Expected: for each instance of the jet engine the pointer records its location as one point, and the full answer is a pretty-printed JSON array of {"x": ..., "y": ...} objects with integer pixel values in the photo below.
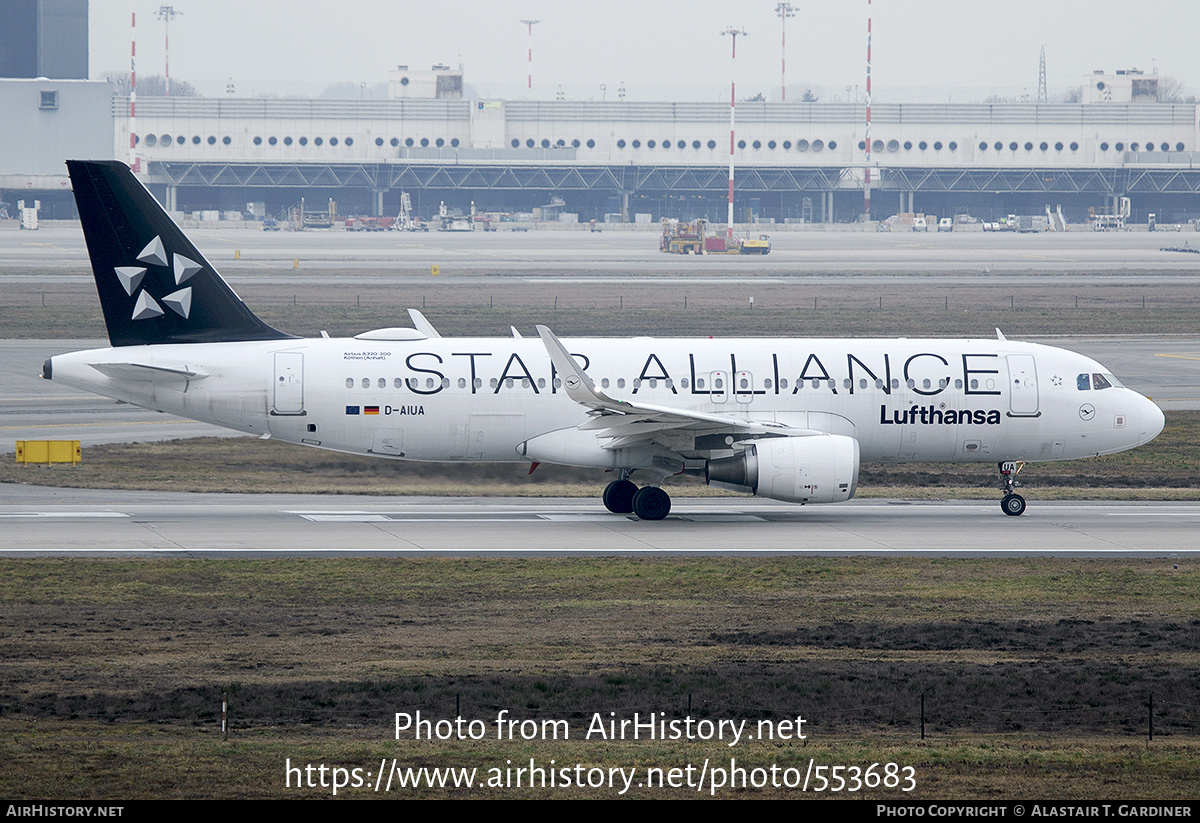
[{"x": 818, "y": 469}]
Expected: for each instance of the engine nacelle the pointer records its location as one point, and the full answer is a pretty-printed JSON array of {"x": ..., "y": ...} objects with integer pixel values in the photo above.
[{"x": 818, "y": 469}]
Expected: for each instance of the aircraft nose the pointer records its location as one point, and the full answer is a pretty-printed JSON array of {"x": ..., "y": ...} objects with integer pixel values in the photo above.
[{"x": 1152, "y": 421}]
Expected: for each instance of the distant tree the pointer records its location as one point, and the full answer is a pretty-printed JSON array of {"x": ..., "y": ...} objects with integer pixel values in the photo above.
[
  {"x": 809, "y": 96},
  {"x": 758, "y": 98},
  {"x": 1170, "y": 89},
  {"x": 1073, "y": 95},
  {"x": 151, "y": 85},
  {"x": 349, "y": 90}
]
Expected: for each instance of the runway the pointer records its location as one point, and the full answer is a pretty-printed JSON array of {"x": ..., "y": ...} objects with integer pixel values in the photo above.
[{"x": 58, "y": 522}]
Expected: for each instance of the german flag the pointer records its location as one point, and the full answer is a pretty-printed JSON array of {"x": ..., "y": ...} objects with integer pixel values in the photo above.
[{"x": 370, "y": 410}]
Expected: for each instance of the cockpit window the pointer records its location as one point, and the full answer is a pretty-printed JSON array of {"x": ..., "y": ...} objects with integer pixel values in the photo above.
[
  {"x": 1099, "y": 382},
  {"x": 1083, "y": 382}
]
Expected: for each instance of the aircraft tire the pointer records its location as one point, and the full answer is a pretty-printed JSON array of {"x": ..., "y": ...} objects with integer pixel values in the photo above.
[
  {"x": 651, "y": 503},
  {"x": 1013, "y": 505},
  {"x": 618, "y": 496}
]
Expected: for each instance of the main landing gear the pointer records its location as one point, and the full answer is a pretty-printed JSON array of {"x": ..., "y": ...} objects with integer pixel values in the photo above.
[
  {"x": 648, "y": 503},
  {"x": 1012, "y": 503}
]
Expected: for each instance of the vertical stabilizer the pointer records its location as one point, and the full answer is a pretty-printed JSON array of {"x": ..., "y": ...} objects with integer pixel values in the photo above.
[{"x": 154, "y": 285}]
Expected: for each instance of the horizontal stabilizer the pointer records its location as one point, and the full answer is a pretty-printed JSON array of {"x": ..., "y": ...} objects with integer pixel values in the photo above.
[{"x": 144, "y": 373}]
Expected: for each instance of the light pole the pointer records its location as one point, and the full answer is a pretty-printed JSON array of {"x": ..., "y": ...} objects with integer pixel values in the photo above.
[
  {"x": 867, "y": 131},
  {"x": 530, "y": 24},
  {"x": 733, "y": 34},
  {"x": 133, "y": 158},
  {"x": 166, "y": 14},
  {"x": 784, "y": 10}
]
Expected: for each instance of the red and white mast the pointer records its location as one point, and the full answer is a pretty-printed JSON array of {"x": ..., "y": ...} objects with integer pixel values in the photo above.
[
  {"x": 733, "y": 33},
  {"x": 133, "y": 159},
  {"x": 784, "y": 10},
  {"x": 166, "y": 13},
  {"x": 867, "y": 135},
  {"x": 530, "y": 24}
]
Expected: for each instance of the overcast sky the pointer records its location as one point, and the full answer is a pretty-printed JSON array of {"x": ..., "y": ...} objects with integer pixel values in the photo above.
[{"x": 922, "y": 50}]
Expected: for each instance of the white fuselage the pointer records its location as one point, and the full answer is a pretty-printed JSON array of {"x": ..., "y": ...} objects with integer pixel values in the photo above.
[{"x": 479, "y": 399}]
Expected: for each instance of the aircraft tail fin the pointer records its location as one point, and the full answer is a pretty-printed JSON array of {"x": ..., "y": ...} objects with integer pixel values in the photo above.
[{"x": 154, "y": 285}]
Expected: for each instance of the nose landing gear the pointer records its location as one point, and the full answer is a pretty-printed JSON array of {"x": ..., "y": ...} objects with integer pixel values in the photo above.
[{"x": 1012, "y": 503}]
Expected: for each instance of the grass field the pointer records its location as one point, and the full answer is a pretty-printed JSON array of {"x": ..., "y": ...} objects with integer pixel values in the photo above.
[{"x": 1035, "y": 673}]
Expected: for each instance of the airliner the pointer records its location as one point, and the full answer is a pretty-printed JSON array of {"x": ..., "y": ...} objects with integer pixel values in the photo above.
[{"x": 786, "y": 419}]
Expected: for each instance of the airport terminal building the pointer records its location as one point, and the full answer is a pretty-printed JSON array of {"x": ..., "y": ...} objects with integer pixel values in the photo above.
[{"x": 795, "y": 162}]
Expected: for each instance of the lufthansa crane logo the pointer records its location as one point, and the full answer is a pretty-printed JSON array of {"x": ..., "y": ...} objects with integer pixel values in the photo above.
[
  {"x": 1087, "y": 411},
  {"x": 572, "y": 382}
]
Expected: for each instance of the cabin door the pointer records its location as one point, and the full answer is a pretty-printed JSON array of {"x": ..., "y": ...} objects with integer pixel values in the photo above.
[
  {"x": 289, "y": 383},
  {"x": 1022, "y": 386}
]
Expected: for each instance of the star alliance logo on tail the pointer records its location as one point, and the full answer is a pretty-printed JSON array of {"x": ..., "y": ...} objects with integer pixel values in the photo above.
[{"x": 145, "y": 307}]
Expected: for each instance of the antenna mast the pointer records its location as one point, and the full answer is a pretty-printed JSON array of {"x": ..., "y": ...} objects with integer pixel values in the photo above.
[{"x": 1042, "y": 96}]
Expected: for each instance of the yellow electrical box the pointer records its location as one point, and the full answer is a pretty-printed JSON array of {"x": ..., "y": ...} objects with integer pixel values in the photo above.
[{"x": 49, "y": 452}]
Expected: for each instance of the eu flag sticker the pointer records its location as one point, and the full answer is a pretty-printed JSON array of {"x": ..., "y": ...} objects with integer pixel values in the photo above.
[{"x": 352, "y": 410}]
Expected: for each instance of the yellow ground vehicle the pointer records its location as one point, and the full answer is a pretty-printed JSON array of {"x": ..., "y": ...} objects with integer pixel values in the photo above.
[{"x": 692, "y": 238}]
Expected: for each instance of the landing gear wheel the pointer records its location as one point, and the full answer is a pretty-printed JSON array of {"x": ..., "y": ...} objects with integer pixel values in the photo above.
[
  {"x": 651, "y": 503},
  {"x": 1013, "y": 505},
  {"x": 618, "y": 496}
]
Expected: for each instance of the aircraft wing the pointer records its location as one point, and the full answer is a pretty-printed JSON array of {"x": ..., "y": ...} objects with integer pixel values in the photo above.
[{"x": 629, "y": 423}]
